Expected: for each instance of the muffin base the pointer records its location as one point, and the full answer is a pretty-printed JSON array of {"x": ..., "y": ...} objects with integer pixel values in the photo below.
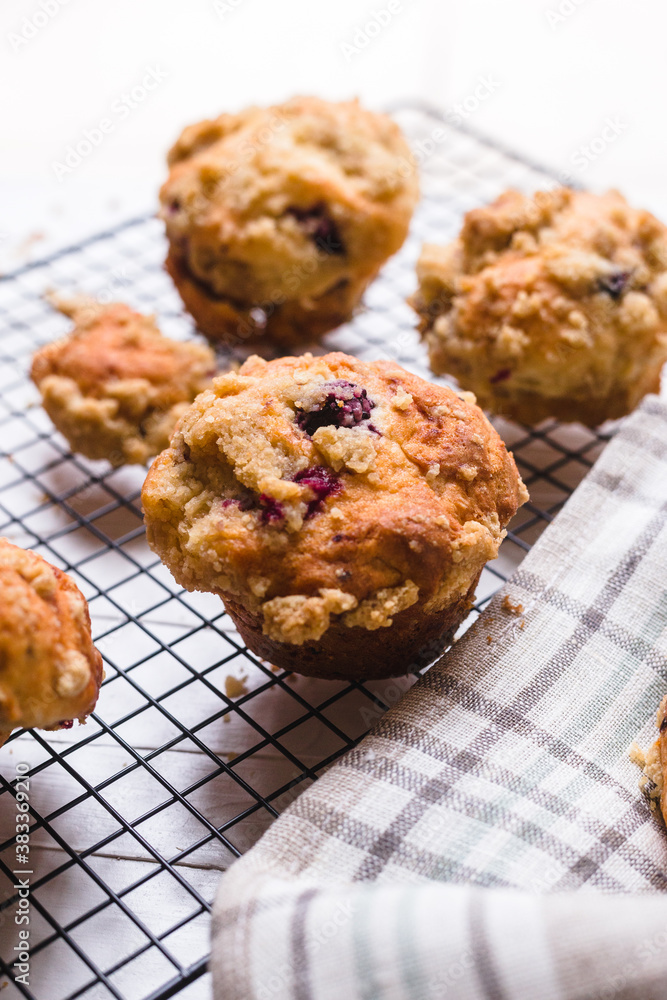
[
  {"x": 531, "y": 409},
  {"x": 414, "y": 640},
  {"x": 292, "y": 323}
]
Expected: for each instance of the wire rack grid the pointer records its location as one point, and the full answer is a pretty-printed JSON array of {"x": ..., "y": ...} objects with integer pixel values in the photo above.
[{"x": 196, "y": 745}]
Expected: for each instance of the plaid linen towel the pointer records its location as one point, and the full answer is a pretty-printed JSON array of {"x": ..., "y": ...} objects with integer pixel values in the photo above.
[{"x": 488, "y": 840}]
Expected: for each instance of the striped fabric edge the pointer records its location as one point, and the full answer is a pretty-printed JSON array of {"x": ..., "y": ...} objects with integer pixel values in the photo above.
[{"x": 285, "y": 927}]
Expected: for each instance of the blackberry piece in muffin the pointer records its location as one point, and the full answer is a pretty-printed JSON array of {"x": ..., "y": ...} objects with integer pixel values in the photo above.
[
  {"x": 115, "y": 386},
  {"x": 50, "y": 672},
  {"x": 551, "y": 306},
  {"x": 342, "y": 510},
  {"x": 278, "y": 218}
]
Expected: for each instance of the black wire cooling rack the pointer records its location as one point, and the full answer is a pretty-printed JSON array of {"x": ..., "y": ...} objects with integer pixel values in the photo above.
[{"x": 195, "y": 746}]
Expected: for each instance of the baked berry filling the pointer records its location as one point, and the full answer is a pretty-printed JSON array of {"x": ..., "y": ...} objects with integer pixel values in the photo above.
[
  {"x": 614, "y": 284},
  {"x": 322, "y": 481},
  {"x": 345, "y": 405},
  {"x": 66, "y": 723},
  {"x": 320, "y": 227},
  {"x": 500, "y": 376},
  {"x": 272, "y": 510},
  {"x": 243, "y": 503}
]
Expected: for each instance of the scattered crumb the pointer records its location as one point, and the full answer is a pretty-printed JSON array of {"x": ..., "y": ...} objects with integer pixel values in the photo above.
[
  {"x": 401, "y": 400},
  {"x": 522, "y": 623},
  {"x": 275, "y": 669},
  {"x": 226, "y": 718},
  {"x": 231, "y": 755},
  {"x": 512, "y": 609},
  {"x": 636, "y": 754},
  {"x": 24, "y": 248},
  {"x": 292, "y": 678},
  {"x": 235, "y": 686},
  {"x": 489, "y": 639}
]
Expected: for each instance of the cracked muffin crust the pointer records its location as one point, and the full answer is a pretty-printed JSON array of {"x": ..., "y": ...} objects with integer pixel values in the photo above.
[
  {"x": 278, "y": 218},
  {"x": 115, "y": 386},
  {"x": 551, "y": 306},
  {"x": 342, "y": 510},
  {"x": 50, "y": 672}
]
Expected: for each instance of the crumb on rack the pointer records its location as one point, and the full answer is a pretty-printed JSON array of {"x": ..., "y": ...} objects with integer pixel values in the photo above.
[
  {"x": 489, "y": 639},
  {"x": 512, "y": 609},
  {"x": 235, "y": 687}
]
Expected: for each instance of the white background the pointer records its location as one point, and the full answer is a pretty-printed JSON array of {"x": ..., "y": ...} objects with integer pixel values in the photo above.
[{"x": 556, "y": 78}]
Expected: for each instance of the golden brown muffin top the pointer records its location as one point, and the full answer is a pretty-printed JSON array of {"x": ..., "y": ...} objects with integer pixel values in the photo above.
[
  {"x": 115, "y": 386},
  {"x": 334, "y": 477},
  {"x": 112, "y": 344},
  {"x": 281, "y": 202},
  {"x": 50, "y": 672}
]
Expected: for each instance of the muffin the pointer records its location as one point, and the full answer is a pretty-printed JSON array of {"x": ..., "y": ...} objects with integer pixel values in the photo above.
[
  {"x": 342, "y": 510},
  {"x": 50, "y": 672},
  {"x": 654, "y": 763},
  {"x": 115, "y": 386},
  {"x": 278, "y": 218},
  {"x": 552, "y": 306}
]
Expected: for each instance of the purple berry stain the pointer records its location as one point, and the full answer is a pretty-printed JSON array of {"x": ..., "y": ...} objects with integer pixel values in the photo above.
[
  {"x": 322, "y": 481},
  {"x": 500, "y": 376},
  {"x": 344, "y": 405},
  {"x": 243, "y": 503},
  {"x": 614, "y": 284},
  {"x": 320, "y": 227},
  {"x": 272, "y": 510},
  {"x": 66, "y": 723}
]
